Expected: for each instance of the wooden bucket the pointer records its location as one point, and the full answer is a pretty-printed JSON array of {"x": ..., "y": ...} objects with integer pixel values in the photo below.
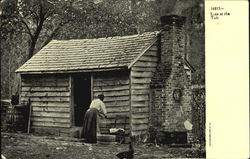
[{"x": 106, "y": 139}]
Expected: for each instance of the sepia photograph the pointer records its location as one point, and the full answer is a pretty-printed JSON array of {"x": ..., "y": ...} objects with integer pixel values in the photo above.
[{"x": 102, "y": 79}]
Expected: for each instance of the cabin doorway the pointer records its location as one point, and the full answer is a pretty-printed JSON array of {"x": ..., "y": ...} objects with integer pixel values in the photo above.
[{"x": 82, "y": 97}]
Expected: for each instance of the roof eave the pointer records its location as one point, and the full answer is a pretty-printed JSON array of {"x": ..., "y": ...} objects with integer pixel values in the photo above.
[
  {"x": 73, "y": 71},
  {"x": 143, "y": 52}
]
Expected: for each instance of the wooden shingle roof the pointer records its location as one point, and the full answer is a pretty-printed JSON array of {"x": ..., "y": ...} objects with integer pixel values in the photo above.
[{"x": 89, "y": 54}]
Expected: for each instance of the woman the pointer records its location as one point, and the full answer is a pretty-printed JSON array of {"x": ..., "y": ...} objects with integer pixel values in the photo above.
[{"x": 91, "y": 119}]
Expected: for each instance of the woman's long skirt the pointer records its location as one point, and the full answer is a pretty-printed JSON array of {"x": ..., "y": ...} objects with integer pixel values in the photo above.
[{"x": 90, "y": 125}]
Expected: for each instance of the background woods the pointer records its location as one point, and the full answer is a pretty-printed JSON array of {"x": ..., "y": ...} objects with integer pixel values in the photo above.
[{"x": 28, "y": 25}]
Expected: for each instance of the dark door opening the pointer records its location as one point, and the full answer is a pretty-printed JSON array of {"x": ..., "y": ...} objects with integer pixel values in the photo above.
[{"x": 82, "y": 96}]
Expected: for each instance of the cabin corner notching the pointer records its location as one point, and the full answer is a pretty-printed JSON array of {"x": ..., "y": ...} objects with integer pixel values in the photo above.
[{"x": 137, "y": 75}]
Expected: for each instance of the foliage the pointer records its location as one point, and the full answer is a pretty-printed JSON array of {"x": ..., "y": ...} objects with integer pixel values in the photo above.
[
  {"x": 8, "y": 20},
  {"x": 43, "y": 18},
  {"x": 100, "y": 20}
]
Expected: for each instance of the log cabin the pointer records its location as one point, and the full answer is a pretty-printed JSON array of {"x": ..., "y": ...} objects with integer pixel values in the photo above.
[{"x": 144, "y": 77}]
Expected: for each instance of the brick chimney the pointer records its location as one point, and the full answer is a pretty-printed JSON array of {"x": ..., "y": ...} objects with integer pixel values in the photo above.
[
  {"x": 171, "y": 78},
  {"x": 172, "y": 38}
]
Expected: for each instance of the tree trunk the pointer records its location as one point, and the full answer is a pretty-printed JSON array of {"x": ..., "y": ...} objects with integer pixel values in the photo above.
[
  {"x": 51, "y": 35},
  {"x": 31, "y": 48},
  {"x": 35, "y": 38},
  {"x": 133, "y": 3},
  {"x": 10, "y": 59}
]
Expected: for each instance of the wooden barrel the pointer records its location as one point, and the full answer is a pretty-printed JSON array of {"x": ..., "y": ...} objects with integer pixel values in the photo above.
[
  {"x": 11, "y": 115},
  {"x": 15, "y": 118},
  {"x": 4, "y": 107}
]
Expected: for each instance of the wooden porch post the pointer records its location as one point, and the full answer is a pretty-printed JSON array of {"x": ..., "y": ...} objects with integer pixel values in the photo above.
[
  {"x": 130, "y": 103},
  {"x": 71, "y": 89},
  {"x": 92, "y": 86}
]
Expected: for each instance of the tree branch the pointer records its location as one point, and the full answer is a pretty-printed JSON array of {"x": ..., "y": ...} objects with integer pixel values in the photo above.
[
  {"x": 48, "y": 15},
  {"x": 52, "y": 34},
  {"x": 41, "y": 14},
  {"x": 27, "y": 28},
  {"x": 35, "y": 16}
]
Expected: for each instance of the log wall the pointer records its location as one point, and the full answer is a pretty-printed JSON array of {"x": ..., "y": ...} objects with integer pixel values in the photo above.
[
  {"x": 141, "y": 74},
  {"x": 116, "y": 89},
  {"x": 50, "y": 100}
]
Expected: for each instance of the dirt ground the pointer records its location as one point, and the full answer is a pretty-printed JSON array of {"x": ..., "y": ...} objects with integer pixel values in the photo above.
[{"x": 26, "y": 146}]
